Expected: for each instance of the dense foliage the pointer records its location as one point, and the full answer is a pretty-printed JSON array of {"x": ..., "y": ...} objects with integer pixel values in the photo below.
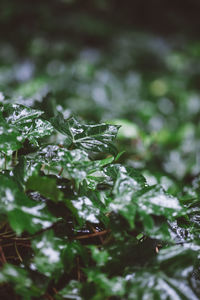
[
  {"x": 77, "y": 224},
  {"x": 99, "y": 153}
]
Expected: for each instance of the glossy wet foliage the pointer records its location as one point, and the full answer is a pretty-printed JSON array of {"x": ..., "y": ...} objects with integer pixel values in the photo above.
[
  {"x": 76, "y": 224},
  {"x": 99, "y": 159}
]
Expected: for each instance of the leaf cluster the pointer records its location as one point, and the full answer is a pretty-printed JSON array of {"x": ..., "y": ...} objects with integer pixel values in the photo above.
[{"x": 77, "y": 224}]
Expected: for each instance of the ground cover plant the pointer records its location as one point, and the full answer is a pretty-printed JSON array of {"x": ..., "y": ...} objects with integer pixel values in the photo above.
[
  {"x": 99, "y": 150},
  {"x": 76, "y": 224}
]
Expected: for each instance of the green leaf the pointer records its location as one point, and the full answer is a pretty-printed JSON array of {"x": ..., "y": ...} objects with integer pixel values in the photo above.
[
  {"x": 117, "y": 172},
  {"x": 86, "y": 210},
  {"x": 155, "y": 201},
  {"x": 106, "y": 287},
  {"x": 95, "y": 138},
  {"x": 71, "y": 291},
  {"x": 72, "y": 164},
  {"x": 154, "y": 284},
  {"x": 35, "y": 130},
  {"x": 70, "y": 253},
  {"x": 54, "y": 155},
  {"x": 20, "y": 279},
  {"x": 47, "y": 257},
  {"x": 87, "y": 170},
  {"x": 53, "y": 158},
  {"x": 22, "y": 212},
  {"x": 26, "y": 121},
  {"x": 132, "y": 195},
  {"x": 178, "y": 260},
  {"x": 126, "y": 182},
  {"x": 16, "y": 114},
  {"x": 170, "y": 279},
  {"x": 47, "y": 187},
  {"x": 10, "y": 137},
  {"x": 100, "y": 256}
]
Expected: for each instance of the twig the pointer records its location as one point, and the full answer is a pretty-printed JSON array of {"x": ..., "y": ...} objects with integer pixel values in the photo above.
[
  {"x": 3, "y": 258},
  {"x": 35, "y": 234},
  {"x": 54, "y": 290},
  {"x": 10, "y": 236},
  {"x": 4, "y": 233},
  {"x": 18, "y": 244},
  {"x": 12, "y": 257},
  {"x": 61, "y": 170},
  {"x": 18, "y": 254},
  {"x": 91, "y": 235}
]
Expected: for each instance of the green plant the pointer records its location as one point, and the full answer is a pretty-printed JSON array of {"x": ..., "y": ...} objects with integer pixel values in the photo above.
[{"x": 76, "y": 224}]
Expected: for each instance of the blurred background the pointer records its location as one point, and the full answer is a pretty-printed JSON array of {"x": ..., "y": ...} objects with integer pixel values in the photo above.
[{"x": 135, "y": 63}]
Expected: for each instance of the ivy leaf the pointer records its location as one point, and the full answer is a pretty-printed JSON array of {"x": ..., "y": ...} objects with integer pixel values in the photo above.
[
  {"x": 99, "y": 256},
  {"x": 72, "y": 164},
  {"x": 47, "y": 258},
  {"x": 126, "y": 182},
  {"x": 35, "y": 130},
  {"x": 131, "y": 195},
  {"x": 21, "y": 281},
  {"x": 10, "y": 137},
  {"x": 178, "y": 260},
  {"x": 26, "y": 121},
  {"x": 23, "y": 213},
  {"x": 155, "y": 284},
  {"x": 53, "y": 154},
  {"x": 70, "y": 252},
  {"x": 86, "y": 210},
  {"x": 47, "y": 187},
  {"x": 87, "y": 170},
  {"x": 106, "y": 287},
  {"x": 155, "y": 201},
  {"x": 71, "y": 291},
  {"x": 117, "y": 172},
  {"x": 171, "y": 278},
  {"x": 95, "y": 138},
  {"x": 16, "y": 114}
]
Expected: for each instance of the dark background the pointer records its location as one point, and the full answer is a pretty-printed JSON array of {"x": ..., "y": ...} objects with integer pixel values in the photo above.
[{"x": 93, "y": 22}]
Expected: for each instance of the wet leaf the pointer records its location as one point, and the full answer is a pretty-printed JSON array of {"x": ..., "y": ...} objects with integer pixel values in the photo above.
[
  {"x": 95, "y": 138},
  {"x": 35, "y": 130},
  {"x": 23, "y": 214},
  {"x": 10, "y": 138},
  {"x": 26, "y": 121},
  {"x": 154, "y": 200},
  {"x": 16, "y": 114},
  {"x": 47, "y": 258},
  {"x": 71, "y": 291},
  {"x": 86, "y": 210},
  {"x": 155, "y": 284},
  {"x": 94, "y": 229},
  {"x": 19, "y": 278},
  {"x": 47, "y": 187}
]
